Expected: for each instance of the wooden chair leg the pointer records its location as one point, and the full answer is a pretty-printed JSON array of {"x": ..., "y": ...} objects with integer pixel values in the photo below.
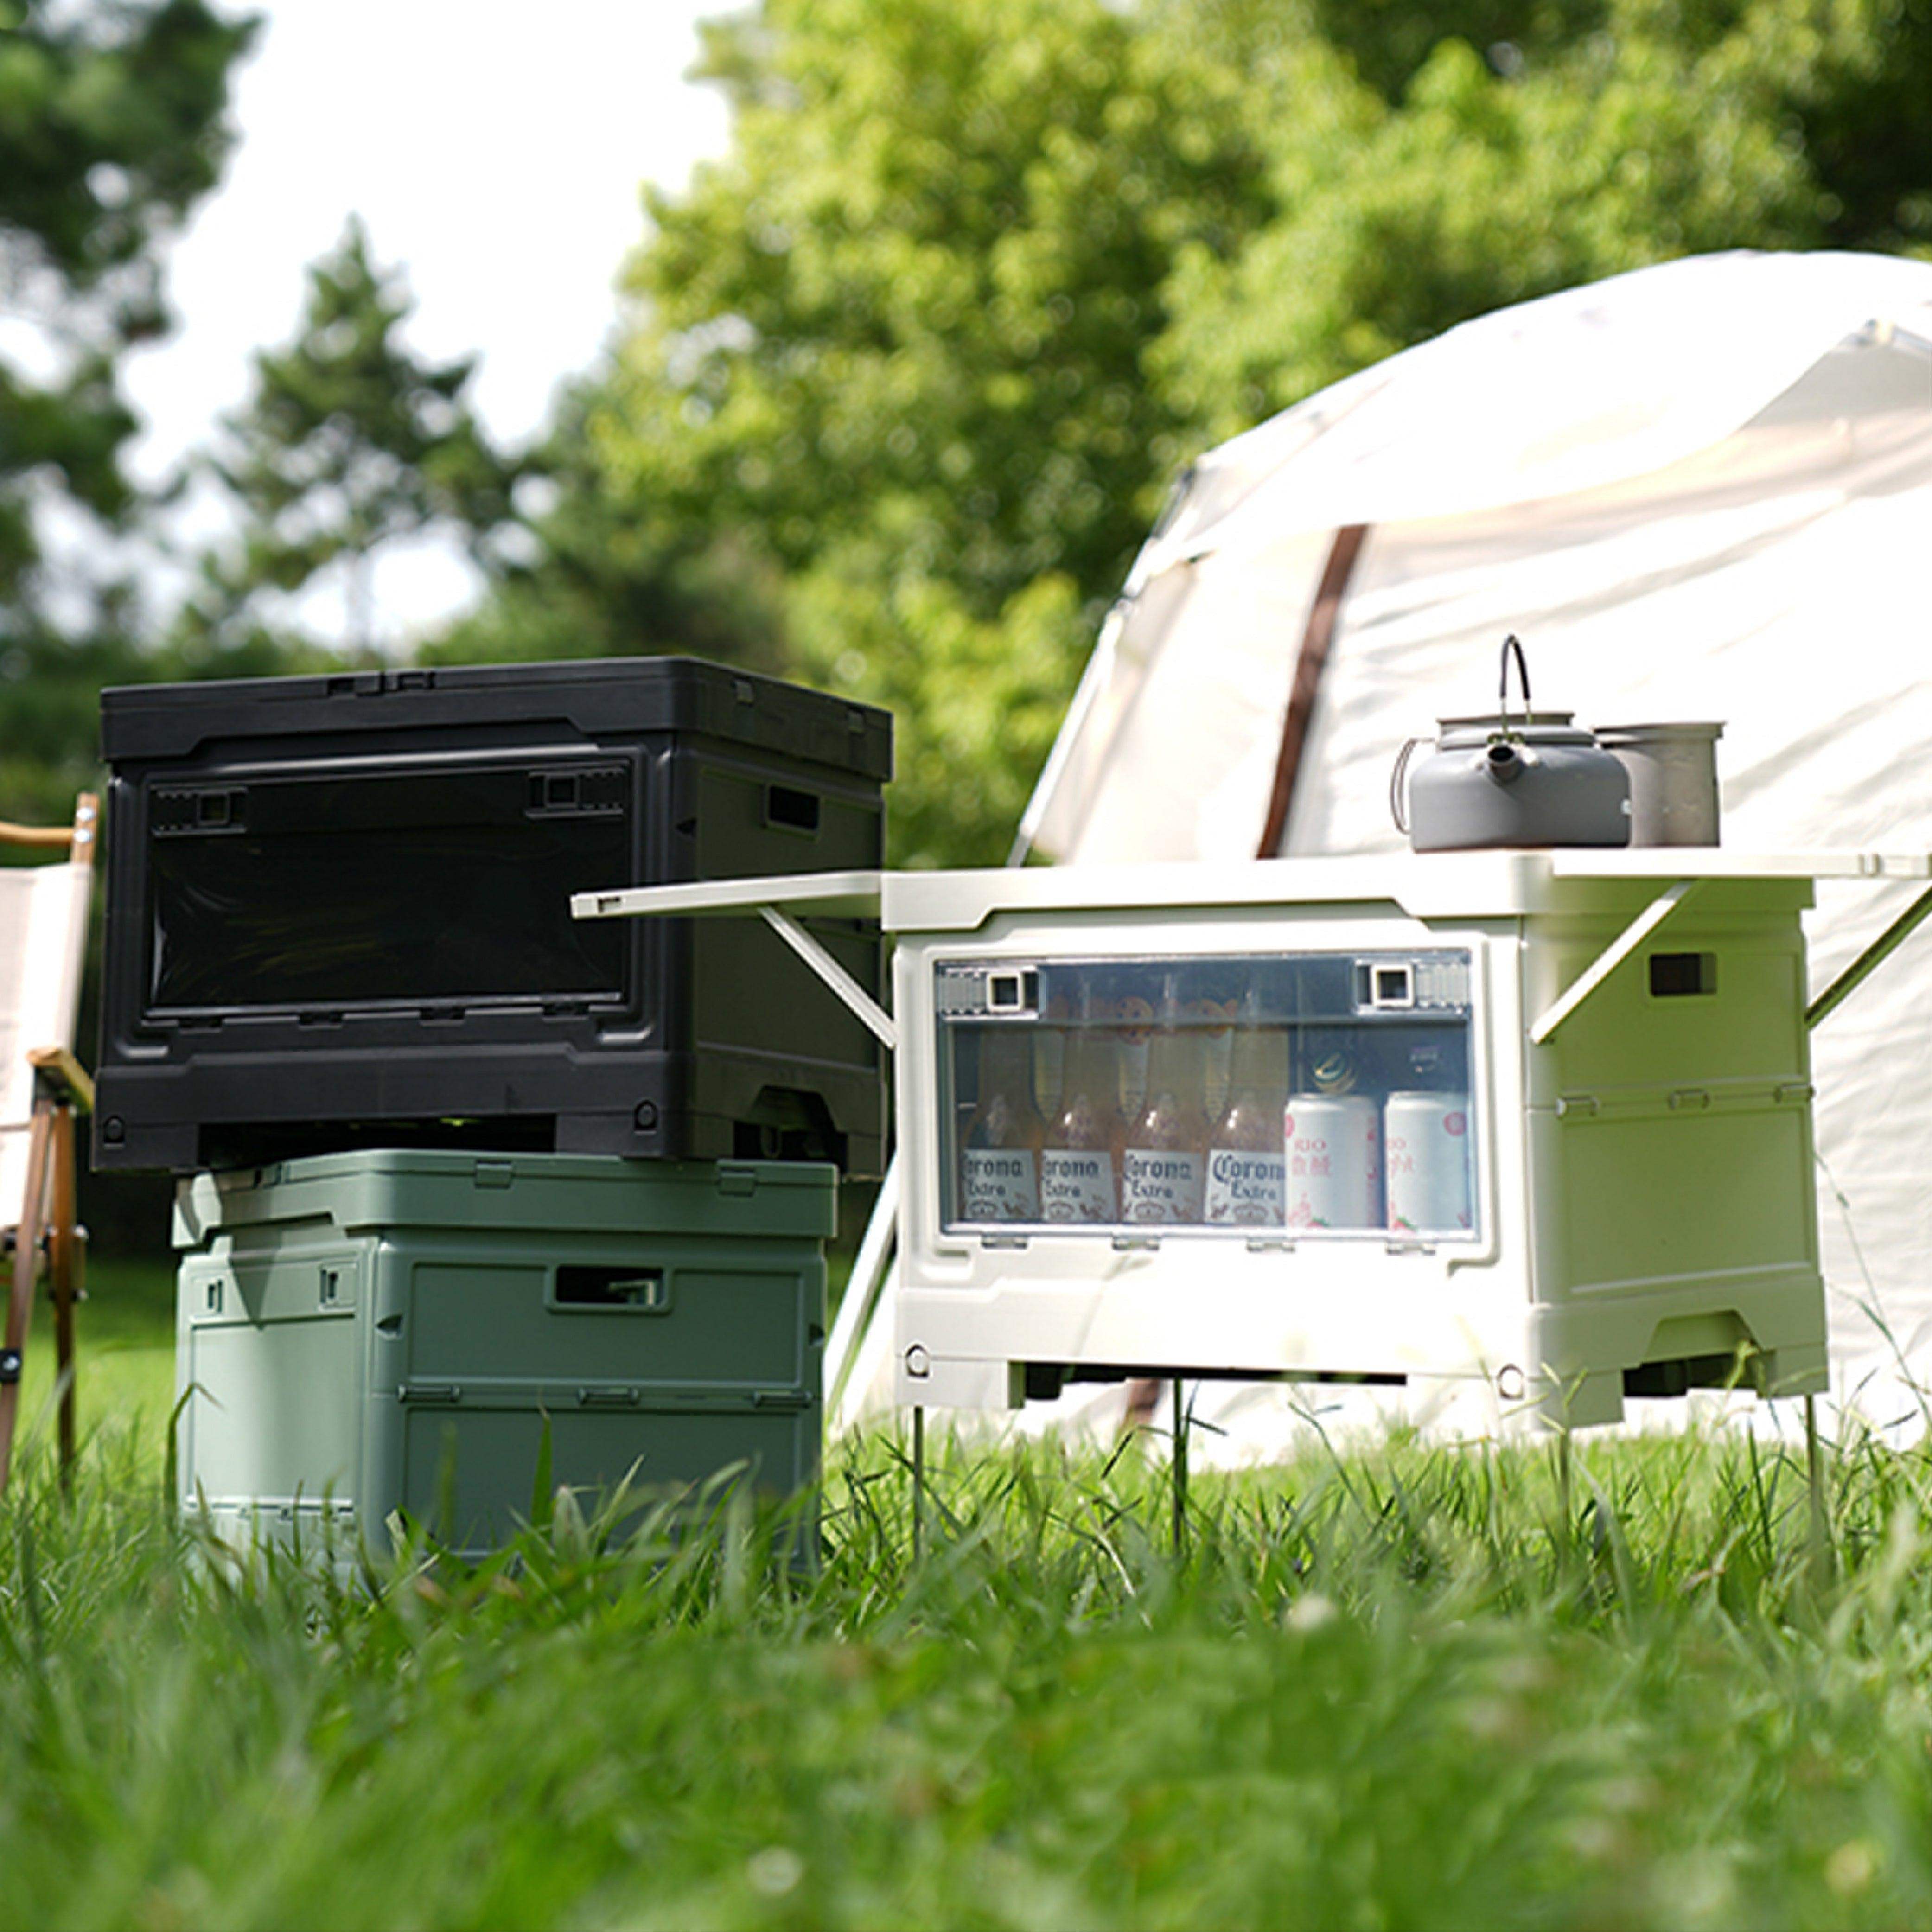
[
  {"x": 26, "y": 1267},
  {"x": 64, "y": 1274}
]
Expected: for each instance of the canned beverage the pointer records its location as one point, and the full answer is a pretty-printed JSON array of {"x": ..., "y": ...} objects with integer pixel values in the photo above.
[
  {"x": 1332, "y": 1147},
  {"x": 1426, "y": 1141}
]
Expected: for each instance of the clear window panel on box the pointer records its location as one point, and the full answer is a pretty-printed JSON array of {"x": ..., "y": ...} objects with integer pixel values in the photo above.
[{"x": 1312, "y": 1093}]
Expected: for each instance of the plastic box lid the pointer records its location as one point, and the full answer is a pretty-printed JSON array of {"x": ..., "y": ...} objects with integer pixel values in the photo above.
[
  {"x": 378, "y": 1188},
  {"x": 600, "y": 697}
]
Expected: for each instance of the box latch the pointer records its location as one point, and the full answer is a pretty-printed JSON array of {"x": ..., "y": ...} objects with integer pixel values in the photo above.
[
  {"x": 737, "y": 1180},
  {"x": 495, "y": 1173},
  {"x": 616, "y": 1397}
]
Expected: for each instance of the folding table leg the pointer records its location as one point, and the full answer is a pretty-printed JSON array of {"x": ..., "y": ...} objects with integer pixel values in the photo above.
[
  {"x": 1177, "y": 1469},
  {"x": 918, "y": 1482},
  {"x": 1814, "y": 1477}
]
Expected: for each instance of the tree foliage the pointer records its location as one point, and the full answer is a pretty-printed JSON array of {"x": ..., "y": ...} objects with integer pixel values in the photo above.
[
  {"x": 612, "y": 575},
  {"x": 1629, "y": 134},
  {"x": 979, "y": 276},
  {"x": 349, "y": 443},
  {"x": 904, "y": 377},
  {"x": 111, "y": 129},
  {"x": 895, "y": 344}
]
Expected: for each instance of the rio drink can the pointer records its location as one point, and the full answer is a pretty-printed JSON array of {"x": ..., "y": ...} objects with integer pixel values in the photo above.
[
  {"x": 1426, "y": 1142},
  {"x": 1332, "y": 1150}
]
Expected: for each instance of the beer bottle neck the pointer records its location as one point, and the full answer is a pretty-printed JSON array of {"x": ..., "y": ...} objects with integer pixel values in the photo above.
[
  {"x": 1258, "y": 1069},
  {"x": 1175, "y": 1067}
]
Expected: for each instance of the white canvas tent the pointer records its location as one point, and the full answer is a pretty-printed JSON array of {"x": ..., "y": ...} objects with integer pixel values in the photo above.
[{"x": 1699, "y": 491}]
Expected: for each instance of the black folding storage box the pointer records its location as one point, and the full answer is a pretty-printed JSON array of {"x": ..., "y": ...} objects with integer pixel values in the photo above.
[{"x": 338, "y": 915}]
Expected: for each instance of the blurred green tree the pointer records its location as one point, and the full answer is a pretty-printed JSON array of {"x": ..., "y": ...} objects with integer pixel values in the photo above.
[
  {"x": 893, "y": 347},
  {"x": 1612, "y": 134},
  {"x": 600, "y": 575},
  {"x": 349, "y": 443},
  {"x": 111, "y": 129},
  {"x": 919, "y": 357}
]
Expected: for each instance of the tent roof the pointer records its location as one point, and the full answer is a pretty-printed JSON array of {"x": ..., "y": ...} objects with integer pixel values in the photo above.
[
  {"x": 1591, "y": 386},
  {"x": 1741, "y": 365}
]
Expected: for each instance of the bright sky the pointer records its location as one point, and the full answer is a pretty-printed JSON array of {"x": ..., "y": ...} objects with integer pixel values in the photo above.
[{"x": 496, "y": 154}]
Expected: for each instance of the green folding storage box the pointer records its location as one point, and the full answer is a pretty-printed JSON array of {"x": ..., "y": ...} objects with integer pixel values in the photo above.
[{"x": 356, "y": 1329}]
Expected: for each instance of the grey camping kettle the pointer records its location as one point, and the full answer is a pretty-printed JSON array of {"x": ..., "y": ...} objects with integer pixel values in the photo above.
[{"x": 1534, "y": 779}]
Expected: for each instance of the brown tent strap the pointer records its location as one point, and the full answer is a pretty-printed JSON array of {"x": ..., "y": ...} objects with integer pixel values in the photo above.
[{"x": 1308, "y": 668}]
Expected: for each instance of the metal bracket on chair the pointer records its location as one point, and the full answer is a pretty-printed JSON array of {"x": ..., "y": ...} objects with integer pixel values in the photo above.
[{"x": 62, "y": 1077}]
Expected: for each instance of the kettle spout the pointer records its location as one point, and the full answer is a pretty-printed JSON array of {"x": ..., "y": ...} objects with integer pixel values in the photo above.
[{"x": 1505, "y": 763}]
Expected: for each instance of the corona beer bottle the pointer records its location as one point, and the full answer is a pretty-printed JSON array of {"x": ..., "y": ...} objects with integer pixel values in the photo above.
[
  {"x": 1079, "y": 1165},
  {"x": 1247, "y": 1162},
  {"x": 1164, "y": 1167},
  {"x": 999, "y": 1178}
]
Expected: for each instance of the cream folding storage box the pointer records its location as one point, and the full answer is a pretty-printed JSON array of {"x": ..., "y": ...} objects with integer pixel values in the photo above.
[{"x": 1534, "y": 1122}]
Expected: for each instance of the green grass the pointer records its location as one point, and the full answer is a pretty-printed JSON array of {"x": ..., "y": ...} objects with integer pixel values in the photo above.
[
  {"x": 124, "y": 1345},
  {"x": 1402, "y": 1687}
]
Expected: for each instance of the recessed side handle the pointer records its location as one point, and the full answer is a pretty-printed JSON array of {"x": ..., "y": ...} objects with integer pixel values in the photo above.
[{"x": 791, "y": 810}]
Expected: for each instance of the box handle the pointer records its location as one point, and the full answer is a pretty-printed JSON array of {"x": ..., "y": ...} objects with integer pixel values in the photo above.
[
  {"x": 639, "y": 1291},
  {"x": 789, "y": 809}
]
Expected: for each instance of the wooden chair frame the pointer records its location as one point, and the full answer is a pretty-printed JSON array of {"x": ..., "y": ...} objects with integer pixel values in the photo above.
[{"x": 47, "y": 1225}]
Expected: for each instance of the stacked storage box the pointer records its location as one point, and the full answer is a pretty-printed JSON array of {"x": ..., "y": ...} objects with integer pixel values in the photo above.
[
  {"x": 359, "y": 1320},
  {"x": 462, "y": 1170},
  {"x": 338, "y": 915}
]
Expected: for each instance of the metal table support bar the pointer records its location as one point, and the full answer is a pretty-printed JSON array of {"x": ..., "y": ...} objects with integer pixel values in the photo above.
[
  {"x": 840, "y": 895},
  {"x": 834, "y": 975},
  {"x": 1880, "y": 950},
  {"x": 1612, "y": 956}
]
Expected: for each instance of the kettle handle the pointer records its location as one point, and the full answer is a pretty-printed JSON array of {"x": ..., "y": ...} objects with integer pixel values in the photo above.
[
  {"x": 1513, "y": 645},
  {"x": 1402, "y": 758}
]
